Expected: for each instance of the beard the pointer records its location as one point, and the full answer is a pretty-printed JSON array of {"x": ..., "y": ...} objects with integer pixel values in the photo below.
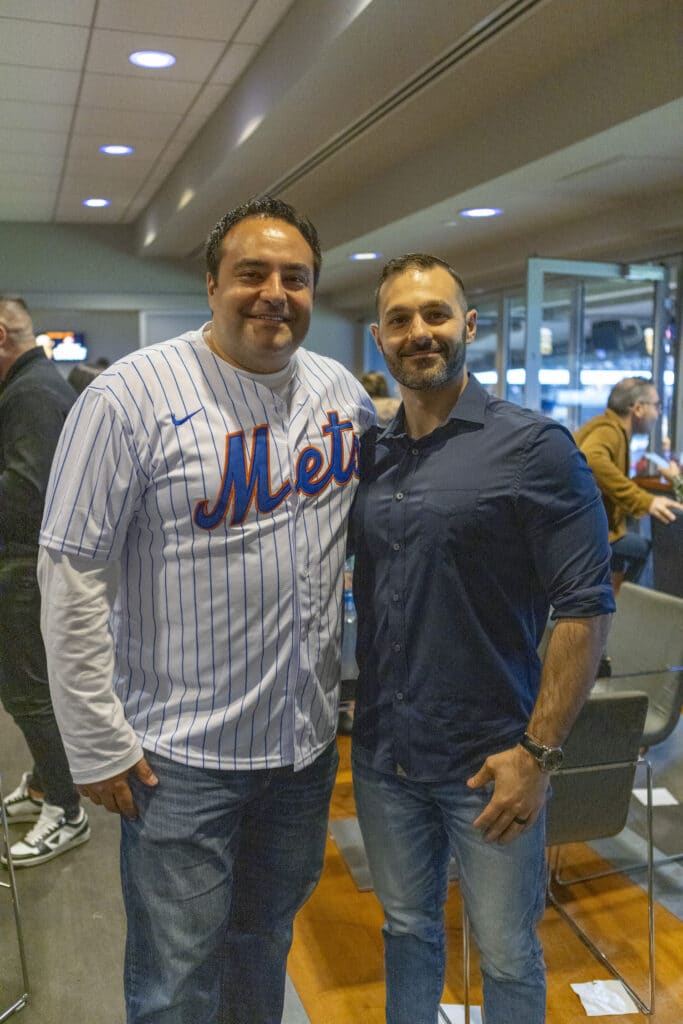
[{"x": 425, "y": 375}]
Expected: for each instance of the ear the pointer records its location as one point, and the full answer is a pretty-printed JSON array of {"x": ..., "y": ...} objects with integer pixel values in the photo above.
[
  {"x": 470, "y": 326},
  {"x": 210, "y": 286},
  {"x": 374, "y": 328}
]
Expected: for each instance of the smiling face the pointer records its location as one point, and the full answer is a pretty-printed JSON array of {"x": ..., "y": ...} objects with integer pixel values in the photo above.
[
  {"x": 423, "y": 328},
  {"x": 262, "y": 297}
]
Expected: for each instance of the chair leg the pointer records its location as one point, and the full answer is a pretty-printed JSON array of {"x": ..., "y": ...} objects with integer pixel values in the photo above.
[
  {"x": 11, "y": 886},
  {"x": 646, "y": 1007},
  {"x": 466, "y": 960}
]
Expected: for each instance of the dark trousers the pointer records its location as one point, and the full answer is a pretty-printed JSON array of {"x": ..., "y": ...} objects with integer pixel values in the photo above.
[
  {"x": 629, "y": 555},
  {"x": 24, "y": 689}
]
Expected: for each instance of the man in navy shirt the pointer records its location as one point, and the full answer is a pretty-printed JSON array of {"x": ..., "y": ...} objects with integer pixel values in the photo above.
[{"x": 473, "y": 515}]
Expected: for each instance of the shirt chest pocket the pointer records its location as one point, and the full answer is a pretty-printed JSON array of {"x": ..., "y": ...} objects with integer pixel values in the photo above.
[{"x": 449, "y": 520}]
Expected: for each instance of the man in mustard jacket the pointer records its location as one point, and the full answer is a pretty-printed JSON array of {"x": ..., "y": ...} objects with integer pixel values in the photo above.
[{"x": 632, "y": 408}]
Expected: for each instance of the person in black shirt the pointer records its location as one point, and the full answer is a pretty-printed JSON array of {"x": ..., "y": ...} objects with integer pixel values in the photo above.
[
  {"x": 34, "y": 402},
  {"x": 472, "y": 516}
]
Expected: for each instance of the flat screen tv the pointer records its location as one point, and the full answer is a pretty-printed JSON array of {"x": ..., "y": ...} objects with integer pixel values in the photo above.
[{"x": 67, "y": 346}]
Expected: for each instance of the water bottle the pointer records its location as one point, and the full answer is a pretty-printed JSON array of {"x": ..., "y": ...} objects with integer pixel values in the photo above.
[{"x": 349, "y": 668}]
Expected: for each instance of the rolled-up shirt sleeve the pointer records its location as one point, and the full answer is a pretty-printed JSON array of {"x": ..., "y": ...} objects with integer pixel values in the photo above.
[
  {"x": 564, "y": 519},
  {"x": 77, "y": 598}
]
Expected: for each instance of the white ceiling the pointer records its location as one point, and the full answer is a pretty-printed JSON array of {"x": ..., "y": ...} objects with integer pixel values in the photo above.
[{"x": 380, "y": 118}]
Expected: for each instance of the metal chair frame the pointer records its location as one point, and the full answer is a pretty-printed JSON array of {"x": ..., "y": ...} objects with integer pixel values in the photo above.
[{"x": 12, "y": 888}]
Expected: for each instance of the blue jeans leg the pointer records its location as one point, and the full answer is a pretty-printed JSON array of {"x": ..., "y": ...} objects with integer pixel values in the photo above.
[
  {"x": 206, "y": 846},
  {"x": 409, "y": 829},
  {"x": 629, "y": 555}
]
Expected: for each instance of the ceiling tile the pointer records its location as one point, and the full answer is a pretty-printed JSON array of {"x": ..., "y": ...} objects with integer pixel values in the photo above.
[
  {"x": 211, "y": 19},
  {"x": 233, "y": 64},
  {"x": 262, "y": 20},
  {"x": 70, "y": 210},
  {"x": 40, "y": 116},
  {"x": 88, "y": 146},
  {"x": 107, "y": 173},
  {"x": 42, "y": 45},
  {"x": 109, "y": 51},
  {"x": 27, "y": 206},
  {"x": 124, "y": 124},
  {"x": 32, "y": 182},
  {"x": 115, "y": 93},
  {"x": 25, "y": 163},
  {"x": 22, "y": 140},
  {"x": 64, "y": 12},
  {"x": 38, "y": 85}
]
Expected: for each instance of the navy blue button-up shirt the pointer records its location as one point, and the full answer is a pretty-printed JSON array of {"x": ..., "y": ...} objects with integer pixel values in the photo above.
[{"x": 462, "y": 540}]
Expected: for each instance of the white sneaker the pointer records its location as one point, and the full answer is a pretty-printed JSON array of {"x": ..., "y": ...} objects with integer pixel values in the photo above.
[
  {"x": 20, "y": 805},
  {"x": 51, "y": 835}
]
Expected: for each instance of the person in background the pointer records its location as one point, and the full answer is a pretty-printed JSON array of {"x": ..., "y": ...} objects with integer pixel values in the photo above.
[
  {"x": 83, "y": 374},
  {"x": 34, "y": 403},
  {"x": 633, "y": 407},
  {"x": 472, "y": 516},
  {"x": 191, "y": 570},
  {"x": 375, "y": 383}
]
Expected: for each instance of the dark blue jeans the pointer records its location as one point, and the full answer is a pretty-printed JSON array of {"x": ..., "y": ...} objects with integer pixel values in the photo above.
[
  {"x": 213, "y": 873},
  {"x": 24, "y": 689},
  {"x": 410, "y": 829},
  {"x": 629, "y": 555}
]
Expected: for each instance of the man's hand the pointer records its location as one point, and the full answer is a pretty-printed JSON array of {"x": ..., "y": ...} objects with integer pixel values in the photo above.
[
  {"x": 115, "y": 794},
  {"x": 664, "y": 509},
  {"x": 518, "y": 794}
]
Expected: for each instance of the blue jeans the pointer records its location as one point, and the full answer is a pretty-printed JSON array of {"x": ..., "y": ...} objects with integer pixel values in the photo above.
[
  {"x": 213, "y": 871},
  {"x": 410, "y": 830},
  {"x": 629, "y": 555}
]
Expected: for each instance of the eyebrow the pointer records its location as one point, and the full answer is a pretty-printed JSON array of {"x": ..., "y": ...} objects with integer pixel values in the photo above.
[
  {"x": 246, "y": 264},
  {"x": 433, "y": 304}
]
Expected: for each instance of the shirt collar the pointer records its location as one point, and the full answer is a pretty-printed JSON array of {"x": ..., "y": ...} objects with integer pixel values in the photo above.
[{"x": 470, "y": 406}]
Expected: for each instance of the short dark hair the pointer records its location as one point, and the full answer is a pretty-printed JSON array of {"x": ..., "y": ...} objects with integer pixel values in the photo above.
[
  {"x": 627, "y": 392},
  {"x": 375, "y": 383},
  {"x": 423, "y": 261},
  {"x": 261, "y": 206}
]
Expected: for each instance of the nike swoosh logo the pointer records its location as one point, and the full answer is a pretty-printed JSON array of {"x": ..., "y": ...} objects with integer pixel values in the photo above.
[{"x": 184, "y": 419}]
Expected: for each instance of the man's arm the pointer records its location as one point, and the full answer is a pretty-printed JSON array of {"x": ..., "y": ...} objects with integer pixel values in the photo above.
[
  {"x": 601, "y": 449},
  {"x": 568, "y": 675},
  {"x": 77, "y": 597}
]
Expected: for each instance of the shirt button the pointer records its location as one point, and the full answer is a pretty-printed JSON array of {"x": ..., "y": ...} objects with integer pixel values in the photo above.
[
  {"x": 306, "y": 572},
  {"x": 396, "y": 647},
  {"x": 399, "y": 695},
  {"x": 304, "y": 632},
  {"x": 414, "y": 451},
  {"x": 395, "y": 597},
  {"x": 396, "y": 546},
  {"x": 399, "y": 495}
]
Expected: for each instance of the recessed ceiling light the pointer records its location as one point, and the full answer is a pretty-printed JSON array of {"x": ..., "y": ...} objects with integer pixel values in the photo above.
[
  {"x": 365, "y": 256},
  {"x": 481, "y": 211},
  {"x": 117, "y": 150},
  {"x": 152, "y": 59},
  {"x": 96, "y": 202}
]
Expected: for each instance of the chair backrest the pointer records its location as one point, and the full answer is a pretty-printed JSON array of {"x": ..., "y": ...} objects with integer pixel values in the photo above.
[
  {"x": 591, "y": 793},
  {"x": 644, "y": 644}
]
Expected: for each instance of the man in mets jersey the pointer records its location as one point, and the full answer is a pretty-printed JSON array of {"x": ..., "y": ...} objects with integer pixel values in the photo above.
[{"x": 191, "y": 566}]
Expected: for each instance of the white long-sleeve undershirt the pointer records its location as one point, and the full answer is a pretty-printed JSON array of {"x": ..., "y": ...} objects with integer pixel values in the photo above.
[{"x": 77, "y": 598}]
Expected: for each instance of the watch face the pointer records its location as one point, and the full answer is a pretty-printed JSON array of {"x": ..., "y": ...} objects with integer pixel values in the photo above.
[{"x": 552, "y": 760}]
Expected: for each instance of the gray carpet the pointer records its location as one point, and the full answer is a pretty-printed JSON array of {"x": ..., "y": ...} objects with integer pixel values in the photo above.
[{"x": 73, "y": 922}]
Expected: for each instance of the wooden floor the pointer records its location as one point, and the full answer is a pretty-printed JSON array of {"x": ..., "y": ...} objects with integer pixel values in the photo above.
[{"x": 336, "y": 959}]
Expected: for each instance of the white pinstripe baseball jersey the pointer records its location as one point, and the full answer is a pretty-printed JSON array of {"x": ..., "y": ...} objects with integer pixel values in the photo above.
[{"x": 224, "y": 496}]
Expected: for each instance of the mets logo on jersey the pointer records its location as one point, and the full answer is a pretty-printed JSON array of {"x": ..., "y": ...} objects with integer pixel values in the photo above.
[{"x": 246, "y": 478}]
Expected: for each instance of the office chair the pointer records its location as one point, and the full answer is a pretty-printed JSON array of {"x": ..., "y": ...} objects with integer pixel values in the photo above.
[
  {"x": 11, "y": 887},
  {"x": 645, "y": 646},
  {"x": 590, "y": 800}
]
